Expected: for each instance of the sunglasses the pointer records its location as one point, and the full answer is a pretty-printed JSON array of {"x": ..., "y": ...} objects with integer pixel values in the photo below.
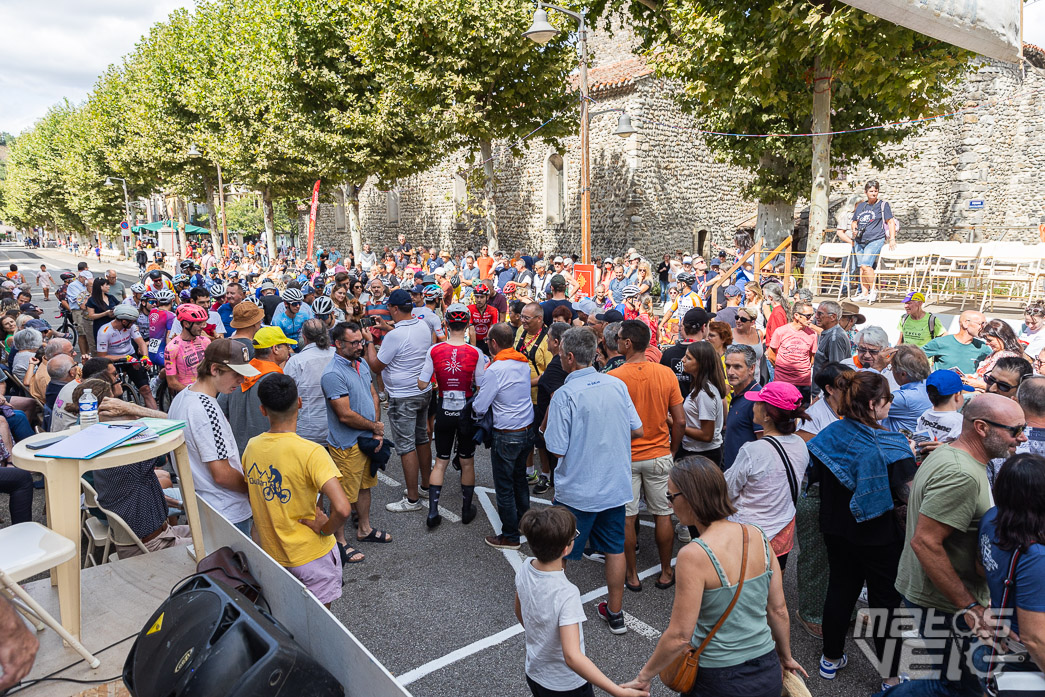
[
  {"x": 1013, "y": 431},
  {"x": 1002, "y": 386},
  {"x": 672, "y": 497},
  {"x": 804, "y": 314},
  {"x": 745, "y": 320},
  {"x": 294, "y": 304}
]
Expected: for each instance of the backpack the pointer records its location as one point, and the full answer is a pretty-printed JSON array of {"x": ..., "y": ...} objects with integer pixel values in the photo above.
[{"x": 932, "y": 324}]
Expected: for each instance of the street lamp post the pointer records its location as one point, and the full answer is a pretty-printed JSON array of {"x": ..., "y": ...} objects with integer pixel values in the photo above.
[
  {"x": 542, "y": 31},
  {"x": 194, "y": 152},
  {"x": 126, "y": 210}
]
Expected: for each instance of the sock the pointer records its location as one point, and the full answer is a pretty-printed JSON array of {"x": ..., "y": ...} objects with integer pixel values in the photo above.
[
  {"x": 467, "y": 492},
  {"x": 433, "y": 499}
]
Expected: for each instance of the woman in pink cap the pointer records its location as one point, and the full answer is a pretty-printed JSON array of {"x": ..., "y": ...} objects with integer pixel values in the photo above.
[{"x": 765, "y": 478}]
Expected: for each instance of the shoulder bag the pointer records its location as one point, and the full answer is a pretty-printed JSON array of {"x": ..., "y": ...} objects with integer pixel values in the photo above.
[
  {"x": 681, "y": 675},
  {"x": 1010, "y": 673}
]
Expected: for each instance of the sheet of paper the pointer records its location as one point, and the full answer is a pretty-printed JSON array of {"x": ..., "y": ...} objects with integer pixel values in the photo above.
[{"x": 91, "y": 441}]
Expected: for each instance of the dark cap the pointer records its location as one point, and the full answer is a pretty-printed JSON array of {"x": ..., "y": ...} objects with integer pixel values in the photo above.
[
  {"x": 400, "y": 298},
  {"x": 610, "y": 316},
  {"x": 558, "y": 281},
  {"x": 231, "y": 354},
  {"x": 696, "y": 318}
]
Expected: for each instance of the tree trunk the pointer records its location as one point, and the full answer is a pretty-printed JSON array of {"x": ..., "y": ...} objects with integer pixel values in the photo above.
[
  {"x": 351, "y": 193},
  {"x": 270, "y": 222},
  {"x": 183, "y": 217},
  {"x": 820, "y": 197},
  {"x": 212, "y": 218},
  {"x": 489, "y": 204},
  {"x": 775, "y": 221}
]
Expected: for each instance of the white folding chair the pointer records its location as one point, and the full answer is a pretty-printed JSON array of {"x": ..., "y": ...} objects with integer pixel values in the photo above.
[
  {"x": 829, "y": 267},
  {"x": 28, "y": 549},
  {"x": 95, "y": 529},
  {"x": 896, "y": 268},
  {"x": 1012, "y": 266},
  {"x": 956, "y": 262}
]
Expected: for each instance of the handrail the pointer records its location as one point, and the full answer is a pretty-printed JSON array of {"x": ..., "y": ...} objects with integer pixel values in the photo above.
[
  {"x": 756, "y": 249},
  {"x": 717, "y": 281}
]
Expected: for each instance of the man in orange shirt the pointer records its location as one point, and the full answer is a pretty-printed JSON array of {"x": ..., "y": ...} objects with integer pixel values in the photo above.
[
  {"x": 654, "y": 390},
  {"x": 484, "y": 262}
]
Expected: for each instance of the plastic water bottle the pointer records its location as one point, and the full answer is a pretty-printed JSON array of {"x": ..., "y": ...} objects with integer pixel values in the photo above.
[{"x": 88, "y": 409}]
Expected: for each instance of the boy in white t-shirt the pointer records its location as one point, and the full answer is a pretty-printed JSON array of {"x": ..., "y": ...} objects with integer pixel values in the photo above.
[
  {"x": 947, "y": 393},
  {"x": 549, "y": 608}
]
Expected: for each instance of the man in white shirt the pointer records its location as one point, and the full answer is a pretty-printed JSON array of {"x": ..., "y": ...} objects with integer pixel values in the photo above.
[
  {"x": 399, "y": 360},
  {"x": 367, "y": 258},
  {"x": 505, "y": 389},
  {"x": 307, "y": 370}
]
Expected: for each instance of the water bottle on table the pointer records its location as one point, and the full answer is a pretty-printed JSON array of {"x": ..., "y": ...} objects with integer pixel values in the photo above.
[{"x": 88, "y": 409}]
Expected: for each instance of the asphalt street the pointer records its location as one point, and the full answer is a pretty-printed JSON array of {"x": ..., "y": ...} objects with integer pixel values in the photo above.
[{"x": 436, "y": 606}]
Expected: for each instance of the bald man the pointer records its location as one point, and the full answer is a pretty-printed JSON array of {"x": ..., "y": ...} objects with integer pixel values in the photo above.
[
  {"x": 949, "y": 495},
  {"x": 962, "y": 350}
]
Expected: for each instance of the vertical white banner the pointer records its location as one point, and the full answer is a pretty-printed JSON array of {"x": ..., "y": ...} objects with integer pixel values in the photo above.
[{"x": 988, "y": 27}]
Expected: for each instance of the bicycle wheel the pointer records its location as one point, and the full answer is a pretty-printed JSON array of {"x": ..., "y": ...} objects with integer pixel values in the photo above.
[
  {"x": 162, "y": 395},
  {"x": 131, "y": 393},
  {"x": 68, "y": 329}
]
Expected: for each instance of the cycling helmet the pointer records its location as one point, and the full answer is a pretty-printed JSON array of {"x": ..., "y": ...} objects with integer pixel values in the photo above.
[
  {"x": 191, "y": 313},
  {"x": 293, "y": 295},
  {"x": 687, "y": 278},
  {"x": 138, "y": 288},
  {"x": 309, "y": 266},
  {"x": 630, "y": 290},
  {"x": 217, "y": 290},
  {"x": 455, "y": 281},
  {"x": 128, "y": 312},
  {"x": 509, "y": 287},
  {"x": 458, "y": 313},
  {"x": 157, "y": 254},
  {"x": 67, "y": 275},
  {"x": 148, "y": 295},
  {"x": 254, "y": 301},
  {"x": 482, "y": 289},
  {"x": 181, "y": 278},
  {"x": 323, "y": 306},
  {"x": 185, "y": 296},
  {"x": 214, "y": 269},
  {"x": 155, "y": 274},
  {"x": 433, "y": 293},
  {"x": 185, "y": 265},
  {"x": 164, "y": 296}
]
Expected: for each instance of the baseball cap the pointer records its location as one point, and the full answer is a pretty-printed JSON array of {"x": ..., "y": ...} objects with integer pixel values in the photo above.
[
  {"x": 558, "y": 280},
  {"x": 231, "y": 354},
  {"x": 267, "y": 337},
  {"x": 852, "y": 310},
  {"x": 696, "y": 317},
  {"x": 610, "y": 316},
  {"x": 85, "y": 274},
  {"x": 557, "y": 260},
  {"x": 782, "y": 395},
  {"x": 635, "y": 256},
  {"x": 267, "y": 285},
  {"x": 914, "y": 295},
  {"x": 715, "y": 261},
  {"x": 947, "y": 382},
  {"x": 439, "y": 272},
  {"x": 418, "y": 289},
  {"x": 400, "y": 298},
  {"x": 39, "y": 325},
  {"x": 246, "y": 315},
  {"x": 687, "y": 260},
  {"x": 7, "y": 284},
  {"x": 585, "y": 305},
  {"x": 732, "y": 291}
]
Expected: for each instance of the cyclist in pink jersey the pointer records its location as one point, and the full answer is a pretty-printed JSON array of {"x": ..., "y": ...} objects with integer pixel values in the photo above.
[
  {"x": 161, "y": 319},
  {"x": 184, "y": 353}
]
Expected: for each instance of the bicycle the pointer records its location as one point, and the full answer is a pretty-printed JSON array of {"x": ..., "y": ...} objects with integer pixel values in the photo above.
[
  {"x": 130, "y": 392},
  {"x": 68, "y": 329}
]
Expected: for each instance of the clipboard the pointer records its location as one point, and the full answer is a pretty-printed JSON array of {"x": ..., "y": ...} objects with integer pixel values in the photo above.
[{"x": 91, "y": 441}]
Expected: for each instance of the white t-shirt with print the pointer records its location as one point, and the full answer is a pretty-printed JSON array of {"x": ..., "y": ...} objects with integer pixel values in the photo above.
[{"x": 943, "y": 426}]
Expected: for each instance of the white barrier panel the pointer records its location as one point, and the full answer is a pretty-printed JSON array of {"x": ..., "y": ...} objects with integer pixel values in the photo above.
[
  {"x": 988, "y": 27},
  {"x": 889, "y": 320},
  {"x": 318, "y": 631}
]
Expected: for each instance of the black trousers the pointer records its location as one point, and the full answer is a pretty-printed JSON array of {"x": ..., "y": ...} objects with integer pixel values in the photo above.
[
  {"x": 851, "y": 565},
  {"x": 19, "y": 484}
]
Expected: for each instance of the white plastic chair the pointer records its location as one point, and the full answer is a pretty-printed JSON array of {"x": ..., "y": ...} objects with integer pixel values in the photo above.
[
  {"x": 1013, "y": 266},
  {"x": 28, "y": 549},
  {"x": 95, "y": 529},
  {"x": 956, "y": 262},
  {"x": 829, "y": 266},
  {"x": 119, "y": 532}
]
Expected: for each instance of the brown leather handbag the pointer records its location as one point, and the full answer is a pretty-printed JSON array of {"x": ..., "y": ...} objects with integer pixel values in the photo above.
[
  {"x": 681, "y": 675},
  {"x": 231, "y": 568}
]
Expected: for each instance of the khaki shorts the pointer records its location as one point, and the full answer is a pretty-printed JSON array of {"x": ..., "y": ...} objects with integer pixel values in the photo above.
[
  {"x": 354, "y": 467},
  {"x": 85, "y": 327},
  {"x": 651, "y": 478}
]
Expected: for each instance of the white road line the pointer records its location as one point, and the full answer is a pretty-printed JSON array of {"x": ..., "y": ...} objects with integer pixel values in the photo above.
[
  {"x": 385, "y": 479},
  {"x": 639, "y": 627},
  {"x": 463, "y": 652},
  {"x": 449, "y": 515},
  {"x": 512, "y": 556}
]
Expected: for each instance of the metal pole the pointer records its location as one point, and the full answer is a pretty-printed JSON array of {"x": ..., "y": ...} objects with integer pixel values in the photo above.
[
  {"x": 221, "y": 203},
  {"x": 127, "y": 211},
  {"x": 585, "y": 165}
]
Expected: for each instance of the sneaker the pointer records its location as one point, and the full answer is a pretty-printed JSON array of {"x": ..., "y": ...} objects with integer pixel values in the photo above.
[
  {"x": 532, "y": 477},
  {"x": 592, "y": 555},
  {"x": 829, "y": 669},
  {"x": 859, "y": 296},
  {"x": 405, "y": 505},
  {"x": 542, "y": 486},
  {"x": 615, "y": 620},
  {"x": 901, "y": 680},
  {"x": 682, "y": 532},
  {"x": 502, "y": 542},
  {"x": 872, "y": 298},
  {"x": 422, "y": 492}
]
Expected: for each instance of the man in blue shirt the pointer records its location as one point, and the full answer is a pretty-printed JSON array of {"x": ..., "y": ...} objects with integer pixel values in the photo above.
[
  {"x": 740, "y": 421},
  {"x": 617, "y": 284},
  {"x": 591, "y": 423},
  {"x": 292, "y": 314},
  {"x": 910, "y": 369},
  {"x": 353, "y": 411}
]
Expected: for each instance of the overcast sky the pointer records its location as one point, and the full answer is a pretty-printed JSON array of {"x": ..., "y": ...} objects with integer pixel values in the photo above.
[{"x": 52, "y": 49}]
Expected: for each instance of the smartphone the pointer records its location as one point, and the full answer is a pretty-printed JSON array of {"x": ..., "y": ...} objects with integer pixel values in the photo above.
[
  {"x": 958, "y": 371},
  {"x": 39, "y": 445},
  {"x": 367, "y": 322}
]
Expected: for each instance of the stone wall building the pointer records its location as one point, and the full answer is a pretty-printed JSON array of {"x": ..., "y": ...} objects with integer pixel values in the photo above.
[{"x": 660, "y": 189}]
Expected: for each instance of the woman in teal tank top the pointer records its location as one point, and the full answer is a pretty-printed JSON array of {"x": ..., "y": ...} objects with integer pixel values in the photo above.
[{"x": 745, "y": 656}]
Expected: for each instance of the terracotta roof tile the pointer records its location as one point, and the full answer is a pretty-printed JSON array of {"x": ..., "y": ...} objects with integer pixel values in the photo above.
[{"x": 618, "y": 74}]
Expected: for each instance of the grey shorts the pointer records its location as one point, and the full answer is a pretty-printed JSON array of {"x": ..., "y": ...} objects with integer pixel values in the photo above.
[{"x": 408, "y": 420}]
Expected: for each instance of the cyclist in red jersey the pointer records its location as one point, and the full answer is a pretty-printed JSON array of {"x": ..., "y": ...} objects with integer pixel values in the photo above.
[
  {"x": 456, "y": 369},
  {"x": 483, "y": 316}
]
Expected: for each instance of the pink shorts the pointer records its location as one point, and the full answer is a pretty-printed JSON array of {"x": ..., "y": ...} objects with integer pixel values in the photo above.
[{"x": 321, "y": 576}]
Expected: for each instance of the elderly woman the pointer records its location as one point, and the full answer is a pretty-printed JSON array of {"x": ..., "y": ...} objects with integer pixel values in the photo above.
[
  {"x": 1012, "y": 550},
  {"x": 1033, "y": 331},
  {"x": 25, "y": 344},
  {"x": 745, "y": 656}
]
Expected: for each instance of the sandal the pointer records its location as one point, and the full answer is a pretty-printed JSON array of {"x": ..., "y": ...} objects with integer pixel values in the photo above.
[
  {"x": 637, "y": 588},
  {"x": 350, "y": 555},
  {"x": 664, "y": 586},
  {"x": 376, "y": 536}
]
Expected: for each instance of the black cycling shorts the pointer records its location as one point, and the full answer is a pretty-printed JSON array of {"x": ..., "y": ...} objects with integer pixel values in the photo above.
[
  {"x": 136, "y": 372},
  {"x": 454, "y": 425}
]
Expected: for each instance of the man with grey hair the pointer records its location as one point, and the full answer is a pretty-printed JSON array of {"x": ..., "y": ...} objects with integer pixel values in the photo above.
[
  {"x": 740, "y": 421},
  {"x": 873, "y": 352},
  {"x": 116, "y": 287},
  {"x": 910, "y": 368},
  {"x": 590, "y": 425},
  {"x": 307, "y": 367},
  {"x": 61, "y": 370},
  {"x": 834, "y": 345},
  {"x": 614, "y": 359},
  {"x": 37, "y": 376}
]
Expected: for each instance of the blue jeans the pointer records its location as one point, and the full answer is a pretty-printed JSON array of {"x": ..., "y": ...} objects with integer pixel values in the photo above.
[
  {"x": 508, "y": 459},
  {"x": 967, "y": 683},
  {"x": 19, "y": 425},
  {"x": 867, "y": 254},
  {"x": 664, "y": 291}
]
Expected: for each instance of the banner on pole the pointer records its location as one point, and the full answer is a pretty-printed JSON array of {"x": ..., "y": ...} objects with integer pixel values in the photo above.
[
  {"x": 585, "y": 275},
  {"x": 988, "y": 27},
  {"x": 312, "y": 219}
]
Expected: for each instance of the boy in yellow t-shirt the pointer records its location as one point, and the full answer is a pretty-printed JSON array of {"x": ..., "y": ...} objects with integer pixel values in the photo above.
[{"x": 285, "y": 473}]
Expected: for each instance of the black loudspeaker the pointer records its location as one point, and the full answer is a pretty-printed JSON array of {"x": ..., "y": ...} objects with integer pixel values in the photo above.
[{"x": 208, "y": 640}]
